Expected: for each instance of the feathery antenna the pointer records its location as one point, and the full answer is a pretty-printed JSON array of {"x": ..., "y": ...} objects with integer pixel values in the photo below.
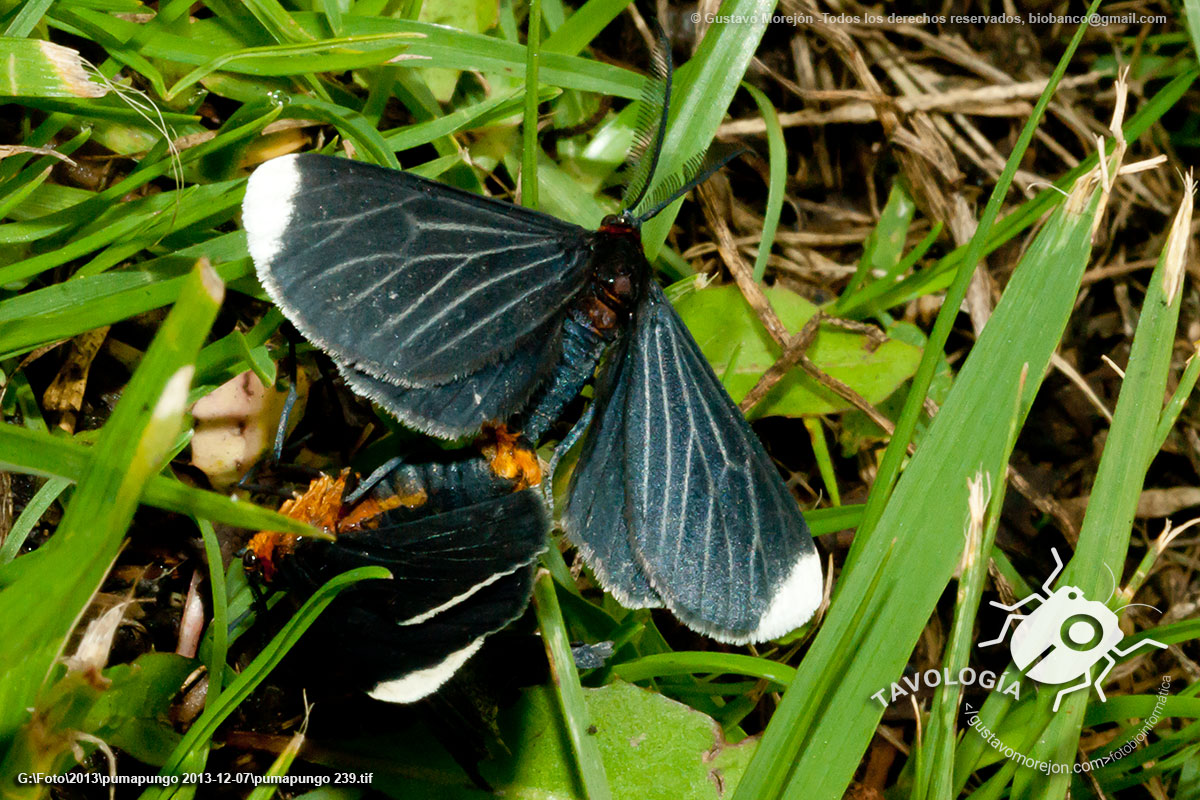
[
  {"x": 651, "y": 122},
  {"x": 696, "y": 171}
]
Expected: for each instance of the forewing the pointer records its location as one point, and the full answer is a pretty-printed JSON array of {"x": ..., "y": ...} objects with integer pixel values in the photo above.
[
  {"x": 714, "y": 527},
  {"x": 594, "y": 516},
  {"x": 406, "y": 279},
  {"x": 440, "y": 561},
  {"x": 461, "y": 406}
]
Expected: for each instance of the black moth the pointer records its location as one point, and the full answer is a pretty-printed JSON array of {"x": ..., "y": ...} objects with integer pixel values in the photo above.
[
  {"x": 452, "y": 310},
  {"x": 460, "y": 534}
]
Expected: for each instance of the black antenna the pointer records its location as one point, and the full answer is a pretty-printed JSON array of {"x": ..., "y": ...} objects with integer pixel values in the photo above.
[
  {"x": 651, "y": 122},
  {"x": 696, "y": 171}
]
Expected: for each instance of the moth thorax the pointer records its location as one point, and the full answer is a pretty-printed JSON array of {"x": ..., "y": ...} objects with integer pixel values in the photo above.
[
  {"x": 613, "y": 295},
  {"x": 618, "y": 270}
]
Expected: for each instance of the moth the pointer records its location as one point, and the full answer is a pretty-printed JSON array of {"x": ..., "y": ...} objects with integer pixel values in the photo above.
[
  {"x": 452, "y": 311},
  {"x": 460, "y": 534}
]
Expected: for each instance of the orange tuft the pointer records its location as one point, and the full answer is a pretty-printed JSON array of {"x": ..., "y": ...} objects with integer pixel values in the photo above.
[
  {"x": 510, "y": 460},
  {"x": 320, "y": 505},
  {"x": 364, "y": 514}
]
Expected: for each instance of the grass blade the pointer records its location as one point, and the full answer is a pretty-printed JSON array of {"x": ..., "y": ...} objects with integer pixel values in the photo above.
[
  {"x": 570, "y": 693},
  {"x": 930, "y": 527},
  {"x": 69, "y": 568},
  {"x": 776, "y": 190}
]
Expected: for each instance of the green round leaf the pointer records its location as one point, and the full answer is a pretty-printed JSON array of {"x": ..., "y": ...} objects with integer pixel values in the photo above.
[{"x": 740, "y": 351}]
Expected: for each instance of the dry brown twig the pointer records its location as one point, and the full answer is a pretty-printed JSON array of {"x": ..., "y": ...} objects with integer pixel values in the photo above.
[
  {"x": 775, "y": 328},
  {"x": 989, "y": 101},
  {"x": 792, "y": 351}
]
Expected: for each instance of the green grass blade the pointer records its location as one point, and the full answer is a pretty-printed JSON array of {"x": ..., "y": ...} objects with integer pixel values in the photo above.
[
  {"x": 941, "y": 732},
  {"x": 131, "y": 449},
  {"x": 570, "y": 694},
  {"x": 529, "y": 131},
  {"x": 464, "y": 119},
  {"x": 64, "y": 310},
  {"x": 1024, "y": 329},
  {"x": 203, "y": 728},
  {"x": 1182, "y": 392},
  {"x": 885, "y": 246},
  {"x": 777, "y": 188},
  {"x": 281, "y": 765},
  {"x": 27, "y": 18},
  {"x": 35, "y": 68},
  {"x": 444, "y": 47},
  {"x": 328, "y": 55},
  {"x": 272, "y": 16},
  {"x": 350, "y": 123},
  {"x": 893, "y": 458},
  {"x": 139, "y": 223},
  {"x": 1191, "y": 10},
  {"x": 37, "y": 505},
  {"x": 36, "y": 452},
  {"x": 87, "y": 212},
  {"x": 583, "y": 25},
  {"x": 219, "y": 627},
  {"x": 816, "y": 435},
  {"x": 705, "y": 663},
  {"x": 1132, "y": 442}
]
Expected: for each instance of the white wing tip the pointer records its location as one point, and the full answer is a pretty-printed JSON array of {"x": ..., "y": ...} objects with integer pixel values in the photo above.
[
  {"x": 794, "y": 603},
  {"x": 423, "y": 682},
  {"x": 267, "y": 207}
]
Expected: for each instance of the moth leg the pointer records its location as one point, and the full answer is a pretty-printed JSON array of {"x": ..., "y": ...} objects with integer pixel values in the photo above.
[
  {"x": 258, "y": 595},
  {"x": 371, "y": 480},
  {"x": 289, "y": 403}
]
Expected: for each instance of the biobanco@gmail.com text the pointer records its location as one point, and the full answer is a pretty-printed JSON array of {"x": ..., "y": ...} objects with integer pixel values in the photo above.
[{"x": 1095, "y": 20}]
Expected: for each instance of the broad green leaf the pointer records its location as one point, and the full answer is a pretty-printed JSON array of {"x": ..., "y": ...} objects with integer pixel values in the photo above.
[
  {"x": 740, "y": 350},
  {"x": 857, "y": 430},
  {"x": 653, "y": 747},
  {"x": 134, "y": 709}
]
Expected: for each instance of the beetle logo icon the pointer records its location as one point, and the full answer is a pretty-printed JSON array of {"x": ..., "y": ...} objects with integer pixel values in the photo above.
[{"x": 1063, "y": 638}]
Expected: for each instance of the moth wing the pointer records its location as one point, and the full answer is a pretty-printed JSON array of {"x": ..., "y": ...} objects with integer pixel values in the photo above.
[
  {"x": 712, "y": 524},
  {"x": 405, "y": 663},
  {"x": 593, "y": 518},
  {"x": 460, "y": 406},
  {"x": 458, "y": 576},
  {"x": 409, "y": 280},
  {"x": 442, "y": 560}
]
